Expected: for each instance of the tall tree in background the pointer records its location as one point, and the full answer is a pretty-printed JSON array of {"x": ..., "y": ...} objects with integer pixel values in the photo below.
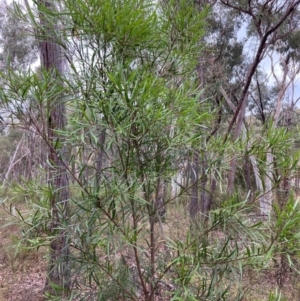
[
  {"x": 18, "y": 46},
  {"x": 53, "y": 68},
  {"x": 266, "y": 18},
  {"x": 136, "y": 110},
  {"x": 230, "y": 75},
  {"x": 214, "y": 68},
  {"x": 18, "y": 51}
]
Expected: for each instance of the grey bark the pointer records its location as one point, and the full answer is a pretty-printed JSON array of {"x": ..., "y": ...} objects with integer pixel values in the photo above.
[
  {"x": 12, "y": 161},
  {"x": 52, "y": 60},
  {"x": 266, "y": 207},
  {"x": 194, "y": 173},
  {"x": 237, "y": 132},
  {"x": 195, "y": 205},
  {"x": 205, "y": 198},
  {"x": 99, "y": 155}
]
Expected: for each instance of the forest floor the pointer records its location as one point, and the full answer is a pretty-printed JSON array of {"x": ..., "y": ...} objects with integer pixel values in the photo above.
[{"x": 22, "y": 272}]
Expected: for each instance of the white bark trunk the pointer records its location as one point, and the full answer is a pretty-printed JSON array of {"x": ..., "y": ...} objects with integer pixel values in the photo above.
[
  {"x": 12, "y": 161},
  {"x": 266, "y": 206},
  {"x": 177, "y": 181}
]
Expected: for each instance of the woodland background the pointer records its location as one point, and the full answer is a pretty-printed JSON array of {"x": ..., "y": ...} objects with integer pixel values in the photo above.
[{"x": 149, "y": 150}]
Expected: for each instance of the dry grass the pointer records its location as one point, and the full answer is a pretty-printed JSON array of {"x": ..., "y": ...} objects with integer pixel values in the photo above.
[{"x": 22, "y": 272}]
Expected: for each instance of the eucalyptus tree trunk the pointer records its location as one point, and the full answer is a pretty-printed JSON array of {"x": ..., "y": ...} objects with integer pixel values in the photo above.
[
  {"x": 263, "y": 199},
  {"x": 194, "y": 173},
  {"x": 267, "y": 34},
  {"x": 206, "y": 200},
  {"x": 52, "y": 60},
  {"x": 176, "y": 184},
  {"x": 239, "y": 127},
  {"x": 268, "y": 182},
  {"x": 100, "y": 155},
  {"x": 12, "y": 161},
  {"x": 194, "y": 202}
]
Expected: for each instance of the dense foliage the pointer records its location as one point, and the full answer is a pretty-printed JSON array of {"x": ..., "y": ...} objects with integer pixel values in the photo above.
[{"x": 153, "y": 157}]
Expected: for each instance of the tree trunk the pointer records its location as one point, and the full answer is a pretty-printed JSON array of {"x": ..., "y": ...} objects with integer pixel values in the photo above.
[
  {"x": 206, "y": 201},
  {"x": 99, "y": 156},
  {"x": 52, "y": 60},
  {"x": 194, "y": 172},
  {"x": 247, "y": 173},
  {"x": 238, "y": 129},
  {"x": 176, "y": 184},
  {"x": 12, "y": 161},
  {"x": 283, "y": 84}
]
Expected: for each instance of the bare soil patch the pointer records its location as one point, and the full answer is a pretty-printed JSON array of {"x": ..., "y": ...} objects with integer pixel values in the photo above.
[{"x": 22, "y": 272}]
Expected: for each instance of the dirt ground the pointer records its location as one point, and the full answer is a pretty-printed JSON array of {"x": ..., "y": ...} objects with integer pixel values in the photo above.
[{"x": 22, "y": 273}]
